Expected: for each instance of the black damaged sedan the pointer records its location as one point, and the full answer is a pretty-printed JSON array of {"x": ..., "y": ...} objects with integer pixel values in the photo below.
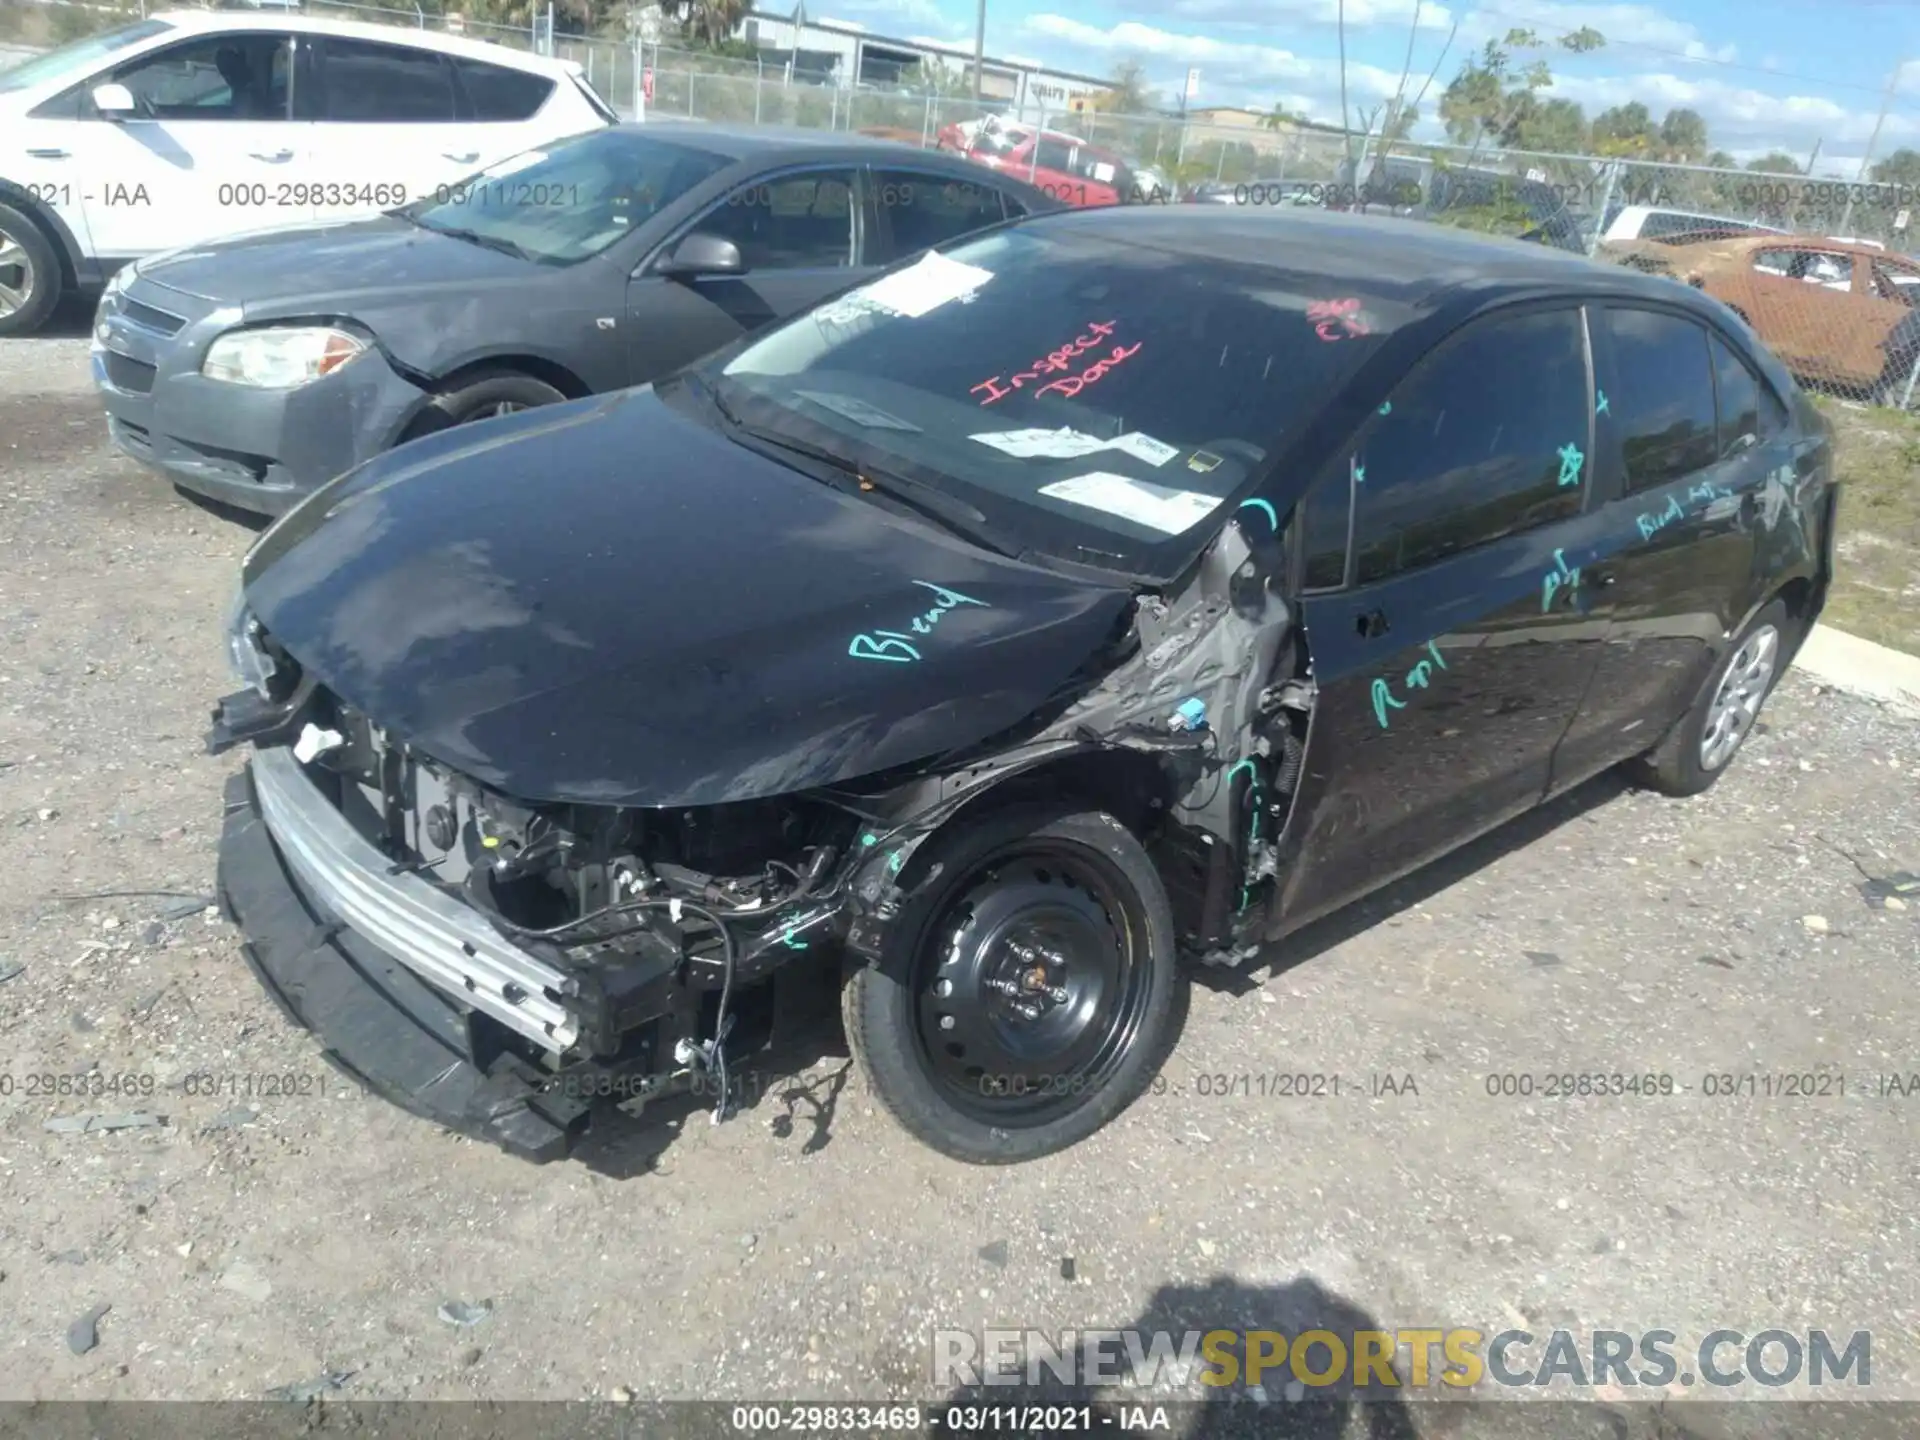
[{"x": 1117, "y": 590}]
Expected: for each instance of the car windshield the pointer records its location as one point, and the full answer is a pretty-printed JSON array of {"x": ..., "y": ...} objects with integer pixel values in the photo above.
[
  {"x": 1098, "y": 402},
  {"x": 78, "y": 56},
  {"x": 569, "y": 200}
]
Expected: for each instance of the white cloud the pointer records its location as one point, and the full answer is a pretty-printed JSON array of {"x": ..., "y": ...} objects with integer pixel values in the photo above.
[
  {"x": 1265, "y": 14},
  {"x": 1740, "y": 118},
  {"x": 1625, "y": 28},
  {"x": 891, "y": 17},
  {"x": 1230, "y": 71}
]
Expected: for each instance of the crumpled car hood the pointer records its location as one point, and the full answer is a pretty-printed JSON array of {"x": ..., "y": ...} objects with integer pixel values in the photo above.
[{"x": 607, "y": 602}]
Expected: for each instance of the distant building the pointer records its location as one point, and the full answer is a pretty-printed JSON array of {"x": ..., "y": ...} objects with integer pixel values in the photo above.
[{"x": 827, "y": 52}]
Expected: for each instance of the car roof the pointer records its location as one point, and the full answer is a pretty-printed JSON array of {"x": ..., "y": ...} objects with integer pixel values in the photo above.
[
  {"x": 1421, "y": 262},
  {"x": 792, "y": 142},
  {"x": 1803, "y": 241},
  {"x": 1644, "y": 210},
  {"x": 214, "y": 21}
]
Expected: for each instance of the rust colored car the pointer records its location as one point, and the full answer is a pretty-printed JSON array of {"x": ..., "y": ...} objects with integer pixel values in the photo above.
[{"x": 1830, "y": 309}]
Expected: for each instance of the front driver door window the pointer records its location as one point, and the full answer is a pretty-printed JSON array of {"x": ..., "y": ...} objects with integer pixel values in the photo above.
[
  {"x": 207, "y": 150},
  {"x": 800, "y": 240}
]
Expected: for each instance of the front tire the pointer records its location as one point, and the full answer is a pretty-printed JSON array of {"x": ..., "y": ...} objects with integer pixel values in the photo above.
[
  {"x": 29, "y": 274},
  {"x": 1028, "y": 995},
  {"x": 1697, "y": 751},
  {"x": 491, "y": 394}
]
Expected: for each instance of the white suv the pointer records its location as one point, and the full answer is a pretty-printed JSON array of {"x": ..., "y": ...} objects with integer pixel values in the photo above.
[{"x": 192, "y": 125}]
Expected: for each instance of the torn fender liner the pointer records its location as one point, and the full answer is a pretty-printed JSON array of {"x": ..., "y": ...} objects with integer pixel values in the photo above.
[
  {"x": 607, "y": 603},
  {"x": 379, "y": 1023}
]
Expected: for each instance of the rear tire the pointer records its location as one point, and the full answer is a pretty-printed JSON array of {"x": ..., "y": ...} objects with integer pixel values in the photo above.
[
  {"x": 1028, "y": 995},
  {"x": 1698, "y": 750},
  {"x": 29, "y": 274}
]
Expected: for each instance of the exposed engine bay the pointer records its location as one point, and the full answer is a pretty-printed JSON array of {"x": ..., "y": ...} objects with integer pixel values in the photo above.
[{"x": 669, "y": 923}]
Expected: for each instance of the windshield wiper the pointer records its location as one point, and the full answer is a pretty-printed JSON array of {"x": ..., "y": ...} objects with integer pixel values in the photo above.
[
  {"x": 487, "y": 242},
  {"x": 949, "y": 510}
]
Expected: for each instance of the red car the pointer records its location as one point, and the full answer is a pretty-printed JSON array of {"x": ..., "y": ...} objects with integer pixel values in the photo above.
[{"x": 1064, "y": 166}]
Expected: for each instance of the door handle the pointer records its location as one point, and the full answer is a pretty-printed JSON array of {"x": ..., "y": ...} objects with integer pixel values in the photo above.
[
  {"x": 275, "y": 158},
  {"x": 1372, "y": 624},
  {"x": 47, "y": 152},
  {"x": 465, "y": 158}
]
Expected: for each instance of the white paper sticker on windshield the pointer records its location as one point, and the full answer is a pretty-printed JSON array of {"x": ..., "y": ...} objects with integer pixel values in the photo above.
[
  {"x": 1061, "y": 444},
  {"x": 1069, "y": 444},
  {"x": 1103, "y": 173},
  {"x": 857, "y": 411},
  {"x": 1144, "y": 447},
  {"x": 1158, "y": 507},
  {"x": 920, "y": 288}
]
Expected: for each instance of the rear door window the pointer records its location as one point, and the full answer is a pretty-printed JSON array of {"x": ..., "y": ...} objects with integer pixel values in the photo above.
[
  {"x": 368, "y": 83},
  {"x": 924, "y": 210},
  {"x": 1662, "y": 402}
]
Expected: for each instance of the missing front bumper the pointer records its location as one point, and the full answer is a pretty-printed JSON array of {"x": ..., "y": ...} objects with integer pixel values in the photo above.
[{"x": 379, "y": 1022}]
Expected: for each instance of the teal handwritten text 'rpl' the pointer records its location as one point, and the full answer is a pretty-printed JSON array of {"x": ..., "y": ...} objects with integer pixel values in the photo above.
[
  {"x": 1418, "y": 678},
  {"x": 898, "y": 649},
  {"x": 1557, "y": 579}
]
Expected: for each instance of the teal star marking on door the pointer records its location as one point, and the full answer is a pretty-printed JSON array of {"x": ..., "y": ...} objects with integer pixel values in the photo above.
[
  {"x": 1571, "y": 463},
  {"x": 1600, "y": 403}
]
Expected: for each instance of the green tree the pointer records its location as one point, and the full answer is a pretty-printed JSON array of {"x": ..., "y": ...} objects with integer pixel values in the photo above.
[
  {"x": 1492, "y": 90},
  {"x": 1902, "y": 167},
  {"x": 1625, "y": 130},
  {"x": 1128, "y": 91},
  {"x": 1558, "y": 126},
  {"x": 1683, "y": 135},
  {"x": 709, "y": 23},
  {"x": 1775, "y": 162}
]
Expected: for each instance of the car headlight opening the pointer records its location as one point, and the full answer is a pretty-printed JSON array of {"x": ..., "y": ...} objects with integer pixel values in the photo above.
[{"x": 282, "y": 356}]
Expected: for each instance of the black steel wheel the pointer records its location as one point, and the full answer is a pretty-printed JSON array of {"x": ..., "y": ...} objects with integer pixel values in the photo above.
[{"x": 1029, "y": 996}]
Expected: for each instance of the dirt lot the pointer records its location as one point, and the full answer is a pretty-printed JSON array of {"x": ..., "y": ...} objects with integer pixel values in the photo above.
[{"x": 807, "y": 1248}]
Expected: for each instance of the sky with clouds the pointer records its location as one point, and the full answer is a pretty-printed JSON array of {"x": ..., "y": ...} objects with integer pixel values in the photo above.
[{"x": 1766, "y": 74}]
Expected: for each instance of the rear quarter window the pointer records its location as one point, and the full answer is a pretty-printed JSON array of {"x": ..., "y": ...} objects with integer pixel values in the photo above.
[{"x": 497, "y": 93}]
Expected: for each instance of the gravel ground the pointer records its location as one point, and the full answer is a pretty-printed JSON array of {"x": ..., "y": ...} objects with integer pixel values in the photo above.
[{"x": 808, "y": 1248}]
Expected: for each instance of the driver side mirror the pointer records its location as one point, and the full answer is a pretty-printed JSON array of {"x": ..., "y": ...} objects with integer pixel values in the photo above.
[
  {"x": 701, "y": 254},
  {"x": 114, "y": 101}
]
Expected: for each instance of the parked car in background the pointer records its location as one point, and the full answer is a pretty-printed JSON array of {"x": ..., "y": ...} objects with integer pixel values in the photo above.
[
  {"x": 252, "y": 370},
  {"x": 1119, "y": 588},
  {"x": 1072, "y": 170},
  {"x": 1827, "y": 309},
  {"x": 1413, "y": 187},
  {"x": 188, "y": 125}
]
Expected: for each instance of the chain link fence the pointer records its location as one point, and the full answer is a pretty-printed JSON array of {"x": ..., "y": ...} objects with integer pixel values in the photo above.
[{"x": 1816, "y": 266}]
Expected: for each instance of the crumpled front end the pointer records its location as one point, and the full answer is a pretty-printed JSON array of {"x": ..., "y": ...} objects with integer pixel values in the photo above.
[{"x": 511, "y": 967}]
